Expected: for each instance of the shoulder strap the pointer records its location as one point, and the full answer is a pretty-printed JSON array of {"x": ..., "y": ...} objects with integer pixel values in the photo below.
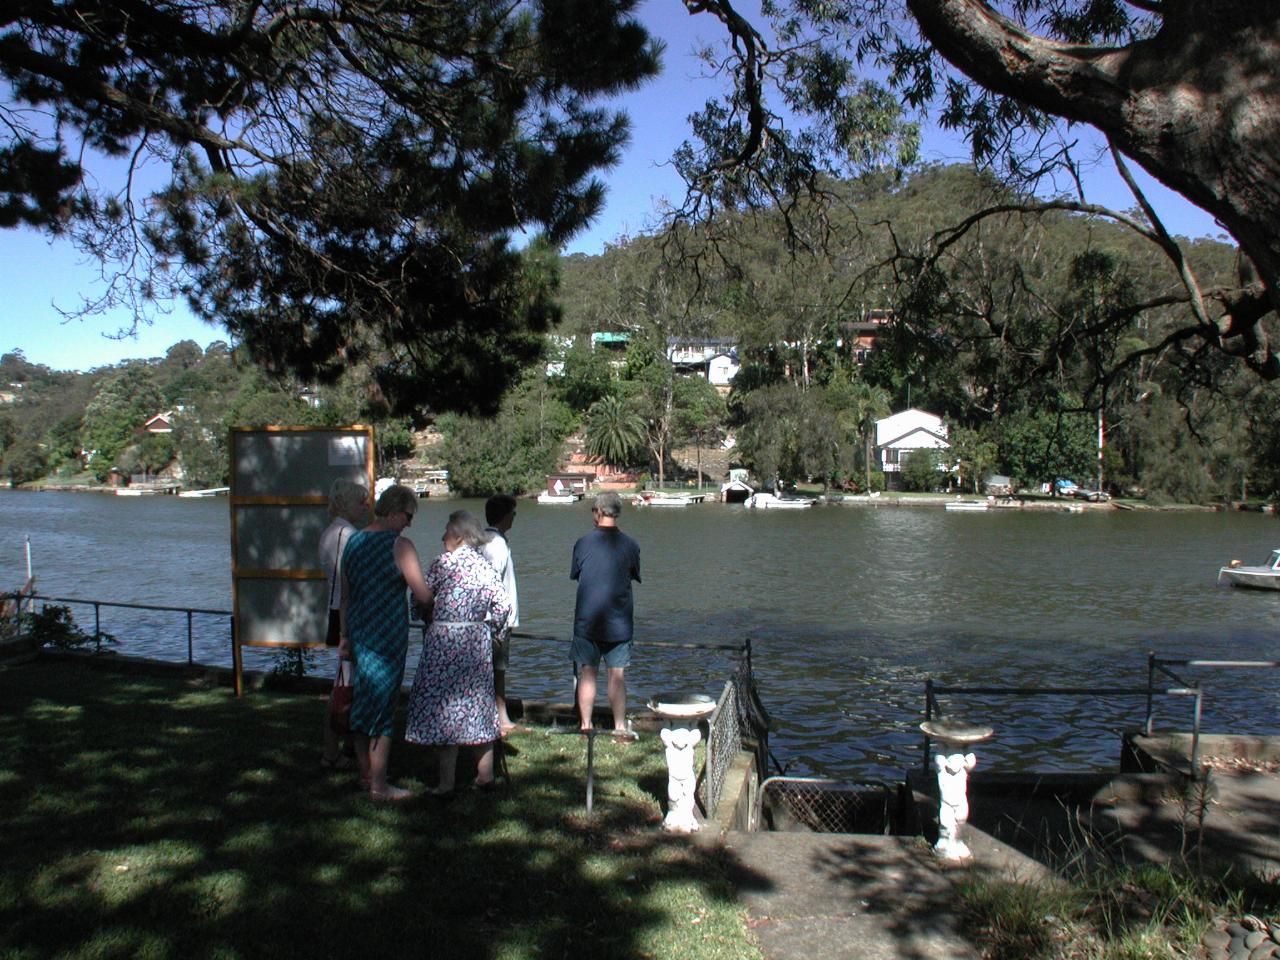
[{"x": 337, "y": 559}]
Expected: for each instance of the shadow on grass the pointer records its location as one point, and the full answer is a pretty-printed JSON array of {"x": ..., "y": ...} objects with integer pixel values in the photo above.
[{"x": 152, "y": 817}]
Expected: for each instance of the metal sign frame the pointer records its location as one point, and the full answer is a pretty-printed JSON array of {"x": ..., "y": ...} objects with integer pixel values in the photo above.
[{"x": 279, "y": 498}]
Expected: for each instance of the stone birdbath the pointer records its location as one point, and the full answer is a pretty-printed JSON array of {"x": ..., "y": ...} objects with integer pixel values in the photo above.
[
  {"x": 681, "y": 714},
  {"x": 953, "y": 766}
]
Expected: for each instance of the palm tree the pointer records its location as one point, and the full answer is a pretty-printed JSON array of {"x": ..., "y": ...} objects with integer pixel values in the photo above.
[
  {"x": 614, "y": 431},
  {"x": 870, "y": 403}
]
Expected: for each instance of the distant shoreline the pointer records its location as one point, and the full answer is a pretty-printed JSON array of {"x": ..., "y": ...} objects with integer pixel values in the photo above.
[{"x": 938, "y": 500}]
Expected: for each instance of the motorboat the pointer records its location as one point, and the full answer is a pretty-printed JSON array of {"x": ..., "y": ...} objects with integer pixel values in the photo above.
[
  {"x": 1265, "y": 577},
  {"x": 546, "y": 496},
  {"x": 768, "y": 501},
  {"x": 966, "y": 506},
  {"x": 668, "y": 499}
]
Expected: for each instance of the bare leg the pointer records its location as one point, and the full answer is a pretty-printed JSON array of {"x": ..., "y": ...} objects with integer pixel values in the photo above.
[
  {"x": 618, "y": 697},
  {"x": 447, "y": 768},
  {"x": 379, "y": 756},
  {"x": 332, "y": 751},
  {"x": 361, "y": 743},
  {"x": 586, "y": 695},
  {"x": 500, "y": 690},
  {"x": 484, "y": 765}
]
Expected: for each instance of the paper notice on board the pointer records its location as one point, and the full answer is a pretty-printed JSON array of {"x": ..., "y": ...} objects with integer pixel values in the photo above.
[{"x": 346, "y": 452}]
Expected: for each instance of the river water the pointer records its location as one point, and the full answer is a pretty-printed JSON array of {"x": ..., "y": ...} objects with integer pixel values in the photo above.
[{"x": 849, "y": 610}]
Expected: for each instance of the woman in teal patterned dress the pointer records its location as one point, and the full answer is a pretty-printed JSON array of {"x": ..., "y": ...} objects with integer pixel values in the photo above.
[{"x": 377, "y": 565}]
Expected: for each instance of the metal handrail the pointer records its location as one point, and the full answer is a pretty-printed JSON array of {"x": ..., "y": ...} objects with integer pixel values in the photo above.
[
  {"x": 99, "y": 604},
  {"x": 932, "y": 707},
  {"x": 741, "y": 649},
  {"x": 1162, "y": 664}
]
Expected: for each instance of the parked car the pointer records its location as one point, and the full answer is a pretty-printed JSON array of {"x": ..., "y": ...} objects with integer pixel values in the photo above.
[{"x": 1065, "y": 488}]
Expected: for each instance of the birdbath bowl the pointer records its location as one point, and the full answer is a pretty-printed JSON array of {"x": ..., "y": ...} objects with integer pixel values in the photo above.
[
  {"x": 953, "y": 766},
  {"x": 681, "y": 713}
]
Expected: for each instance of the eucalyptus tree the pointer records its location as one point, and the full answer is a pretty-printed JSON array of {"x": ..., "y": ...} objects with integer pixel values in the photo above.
[{"x": 1183, "y": 88}]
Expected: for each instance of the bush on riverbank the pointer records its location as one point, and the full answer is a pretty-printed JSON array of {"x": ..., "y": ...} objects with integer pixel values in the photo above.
[{"x": 154, "y": 816}]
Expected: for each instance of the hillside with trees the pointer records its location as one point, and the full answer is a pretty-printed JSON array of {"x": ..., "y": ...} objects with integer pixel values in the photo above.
[{"x": 1028, "y": 333}]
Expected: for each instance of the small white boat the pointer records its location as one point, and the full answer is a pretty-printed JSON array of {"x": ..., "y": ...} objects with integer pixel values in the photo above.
[
  {"x": 211, "y": 492},
  {"x": 1265, "y": 577},
  {"x": 136, "y": 492},
  {"x": 547, "y": 496},
  {"x": 966, "y": 506},
  {"x": 667, "y": 499},
  {"x": 767, "y": 501}
]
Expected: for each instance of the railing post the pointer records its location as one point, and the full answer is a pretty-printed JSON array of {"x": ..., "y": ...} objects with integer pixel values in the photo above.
[
  {"x": 928, "y": 715},
  {"x": 1148, "y": 724},
  {"x": 1195, "y": 736},
  {"x": 190, "y": 643},
  {"x": 97, "y": 627}
]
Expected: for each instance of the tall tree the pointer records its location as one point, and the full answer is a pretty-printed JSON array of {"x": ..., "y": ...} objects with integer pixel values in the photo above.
[
  {"x": 615, "y": 431},
  {"x": 343, "y": 176},
  {"x": 1184, "y": 88}
]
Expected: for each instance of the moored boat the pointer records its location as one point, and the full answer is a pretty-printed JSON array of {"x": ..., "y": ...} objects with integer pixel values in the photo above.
[
  {"x": 767, "y": 501},
  {"x": 667, "y": 499},
  {"x": 546, "y": 496},
  {"x": 966, "y": 505},
  {"x": 1265, "y": 577}
]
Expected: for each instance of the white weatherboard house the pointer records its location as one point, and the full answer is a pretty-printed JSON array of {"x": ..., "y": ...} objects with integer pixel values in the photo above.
[{"x": 898, "y": 435}]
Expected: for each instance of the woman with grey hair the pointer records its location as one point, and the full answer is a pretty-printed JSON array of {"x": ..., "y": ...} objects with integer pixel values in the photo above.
[
  {"x": 377, "y": 565},
  {"x": 452, "y": 703},
  {"x": 348, "y": 508}
]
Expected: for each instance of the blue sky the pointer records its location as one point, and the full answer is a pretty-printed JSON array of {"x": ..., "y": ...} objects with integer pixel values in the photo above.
[{"x": 36, "y": 276}]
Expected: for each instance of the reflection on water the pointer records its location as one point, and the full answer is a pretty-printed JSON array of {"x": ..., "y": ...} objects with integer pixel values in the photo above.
[{"x": 849, "y": 610}]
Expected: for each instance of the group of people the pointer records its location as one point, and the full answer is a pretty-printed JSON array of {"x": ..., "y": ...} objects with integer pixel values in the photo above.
[{"x": 469, "y": 599}]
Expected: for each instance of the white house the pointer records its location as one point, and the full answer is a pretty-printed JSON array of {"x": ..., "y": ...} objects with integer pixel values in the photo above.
[
  {"x": 898, "y": 435},
  {"x": 715, "y": 359}
]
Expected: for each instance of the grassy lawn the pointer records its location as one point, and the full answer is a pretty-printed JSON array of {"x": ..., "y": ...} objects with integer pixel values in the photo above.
[{"x": 157, "y": 817}]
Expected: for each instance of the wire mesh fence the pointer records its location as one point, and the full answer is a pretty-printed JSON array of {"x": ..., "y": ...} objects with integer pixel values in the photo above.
[
  {"x": 739, "y": 721},
  {"x": 798, "y": 804}
]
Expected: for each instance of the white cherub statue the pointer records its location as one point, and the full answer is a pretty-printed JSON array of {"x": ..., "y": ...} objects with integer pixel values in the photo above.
[
  {"x": 953, "y": 789},
  {"x": 681, "y": 779}
]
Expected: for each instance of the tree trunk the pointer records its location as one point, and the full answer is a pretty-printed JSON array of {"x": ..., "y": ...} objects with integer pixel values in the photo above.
[{"x": 1194, "y": 105}]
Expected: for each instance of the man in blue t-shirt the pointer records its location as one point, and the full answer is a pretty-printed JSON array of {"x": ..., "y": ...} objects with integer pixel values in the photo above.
[{"x": 605, "y": 562}]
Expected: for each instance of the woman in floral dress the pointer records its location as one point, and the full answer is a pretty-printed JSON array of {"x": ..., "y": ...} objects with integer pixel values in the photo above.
[{"x": 452, "y": 703}]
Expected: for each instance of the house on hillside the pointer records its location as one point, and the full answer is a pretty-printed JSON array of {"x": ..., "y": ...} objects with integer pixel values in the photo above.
[
  {"x": 714, "y": 359},
  {"x": 160, "y": 423},
  {"x": 859, "y": 337},
  {"x": 900, "y": 434}
]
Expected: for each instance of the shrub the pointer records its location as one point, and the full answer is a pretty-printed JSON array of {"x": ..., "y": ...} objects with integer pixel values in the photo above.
[{"x": 54, "y": 626}]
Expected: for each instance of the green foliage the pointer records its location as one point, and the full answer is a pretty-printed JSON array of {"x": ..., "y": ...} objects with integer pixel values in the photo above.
[
  {"x": 511, "y": 452},
  {"x": 975, "y": 456},
  {"x": 789, "y": 435},
  {"x": 920, "y": 470},
  {"x": 615, "y": 432},
  {"x": 54, "y": 626},
  {"x": 126, "y": 398},
  {"x": 393, "y": 440},
  {"x": 365, "y": 215},
  {"x": 24, "y": 461},
  {"x": 587, "y": 376},
  {"x": 1040, "y": 447},
  {"x": 200, "y": 439},
  {"x": 62, "y": 442}
]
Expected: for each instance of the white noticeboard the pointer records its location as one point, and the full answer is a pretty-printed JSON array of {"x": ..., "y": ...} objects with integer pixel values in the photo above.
[{"x": 280, "y": 481}]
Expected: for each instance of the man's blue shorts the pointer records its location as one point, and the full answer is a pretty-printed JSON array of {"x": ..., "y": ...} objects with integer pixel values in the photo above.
[{"x": 588, "y": 653}]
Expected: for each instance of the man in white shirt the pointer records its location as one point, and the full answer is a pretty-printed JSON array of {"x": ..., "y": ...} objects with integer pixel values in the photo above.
[{"x": 500, "y": 514}]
